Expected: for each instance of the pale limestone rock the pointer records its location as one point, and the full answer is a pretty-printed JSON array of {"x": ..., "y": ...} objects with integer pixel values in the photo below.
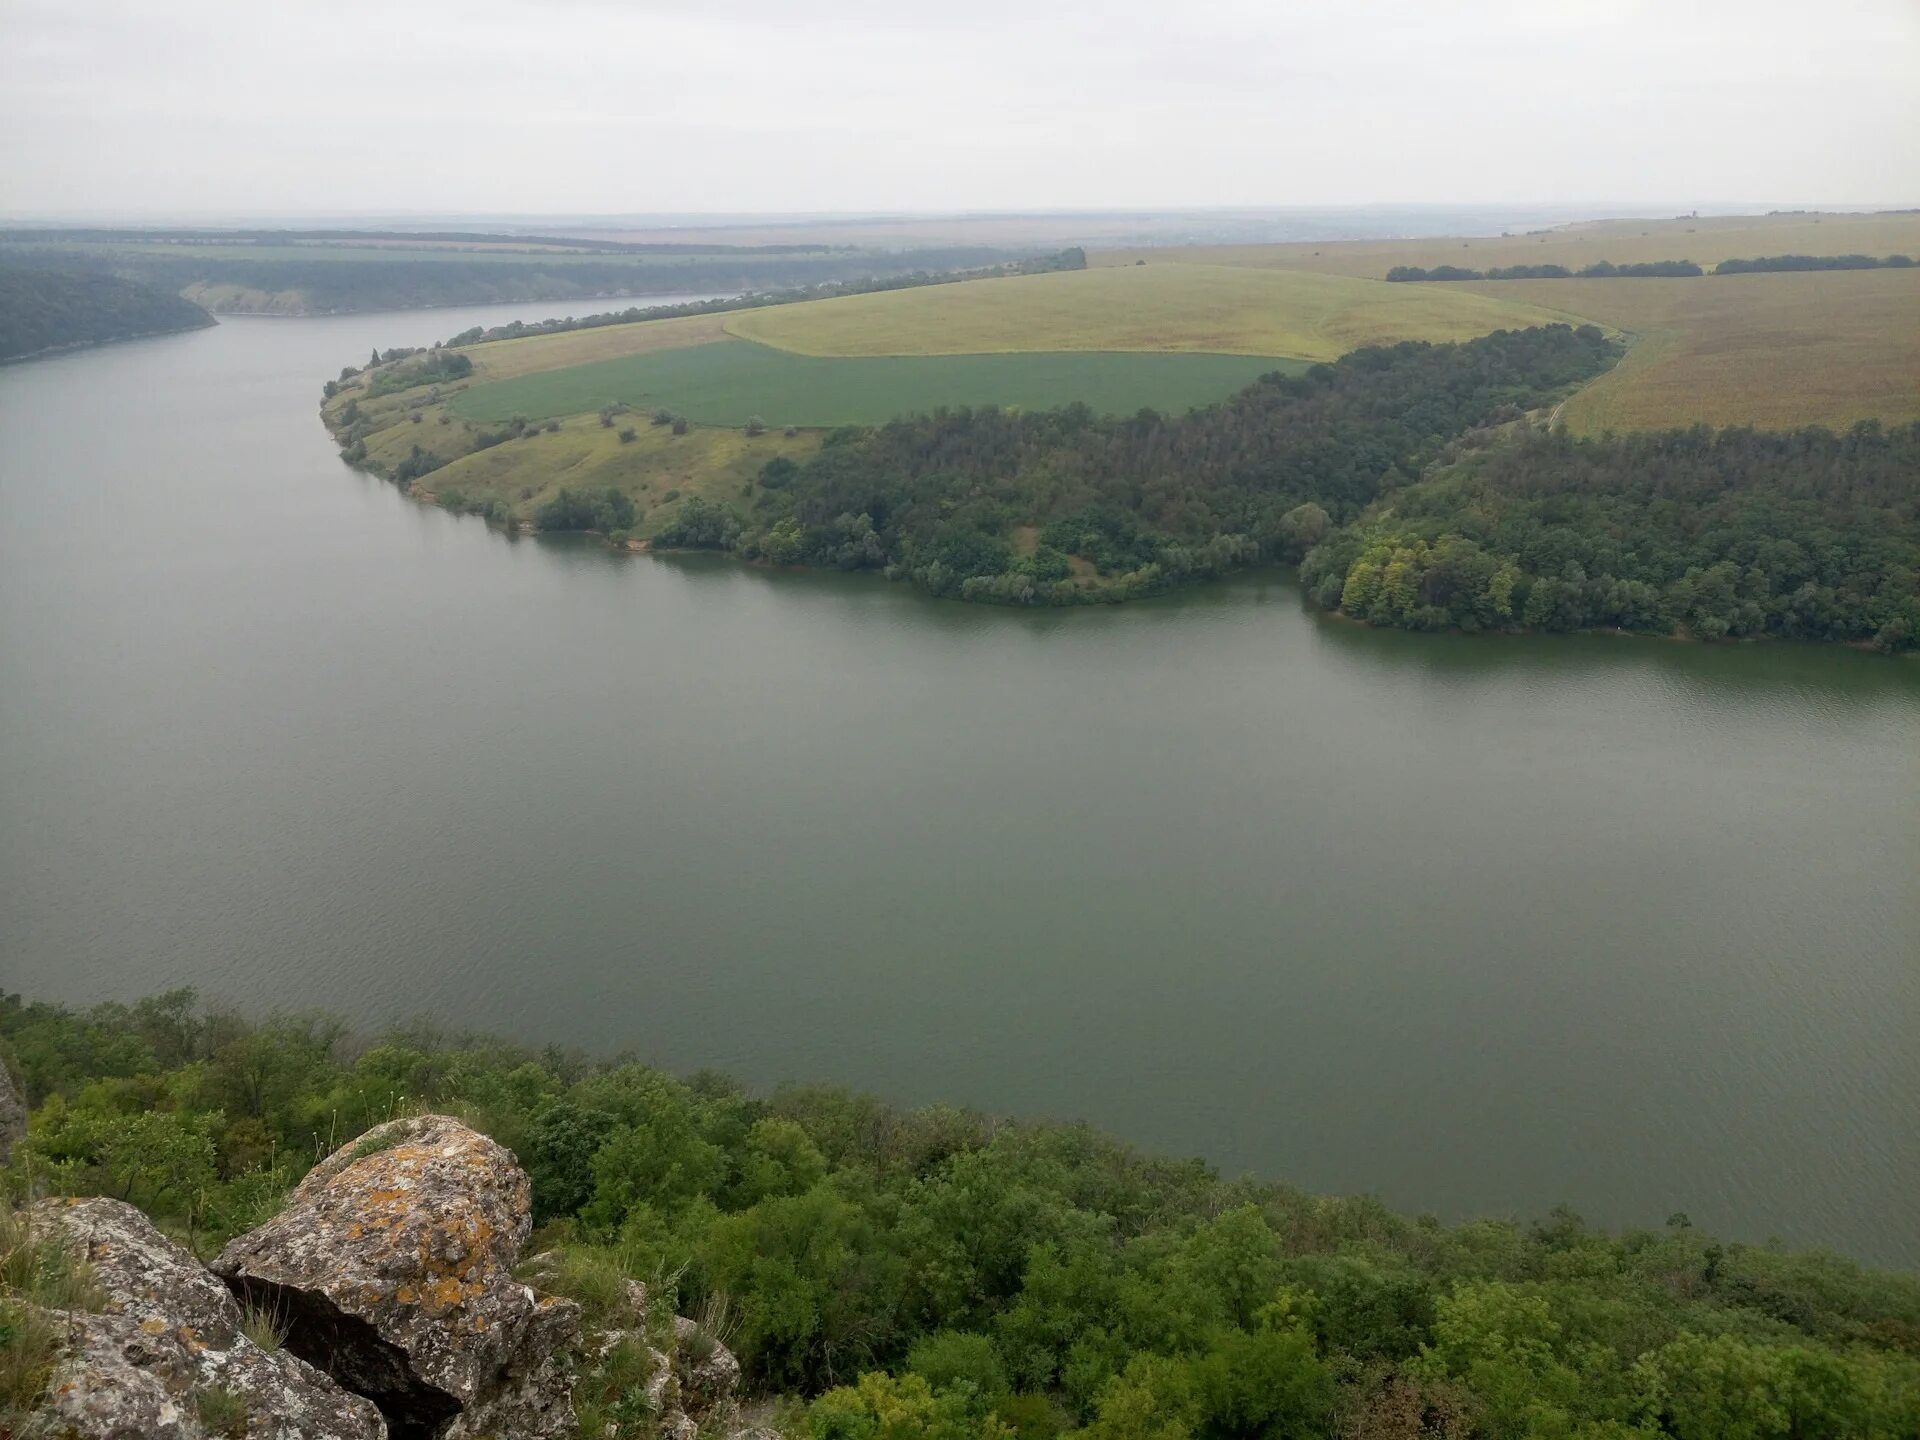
[
  {"x": 168, "y": 1335},
  {"x": 393, "y": 1261}
]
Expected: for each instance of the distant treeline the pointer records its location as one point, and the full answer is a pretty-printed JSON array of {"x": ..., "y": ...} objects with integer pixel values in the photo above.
[
  {"x": 1812, "y": 262},
  {"x": 1071, "y": 259},
  {"x": 1652, "y": 269},
  {"x": 42, "y": 310},
  {"x": 1603, "y": 270},
  {"x": 326, "y": 284}
]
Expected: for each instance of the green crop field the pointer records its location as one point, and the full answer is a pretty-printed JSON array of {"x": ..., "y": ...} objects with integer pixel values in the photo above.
[
  {"x": 727, "y": 381},
  {"x": 1160, "y": 307}
]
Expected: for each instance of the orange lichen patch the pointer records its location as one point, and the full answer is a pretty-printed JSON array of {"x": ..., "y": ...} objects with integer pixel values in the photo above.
[
  {"x": 154, "y": 1327},
  {"x": 190, "y": 1337},
  {"x": 445, "y": 1294}
]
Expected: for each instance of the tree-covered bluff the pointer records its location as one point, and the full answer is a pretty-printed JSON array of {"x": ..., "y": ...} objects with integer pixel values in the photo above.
[
  {"x": 42, "y": 310},
  {"x": 891, "y": 1273}
]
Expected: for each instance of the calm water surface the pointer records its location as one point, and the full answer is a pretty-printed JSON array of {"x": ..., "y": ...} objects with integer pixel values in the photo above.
[{"x": 1478, "y": 925}]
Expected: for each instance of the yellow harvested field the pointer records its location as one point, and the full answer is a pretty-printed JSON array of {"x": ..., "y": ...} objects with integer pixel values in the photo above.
[
  {"x": 504, "y": 359},
  {"x": 1774, "y": 350},
  {"x": 1166, "y": 307},
  {"x": 1703, "y": 241}
]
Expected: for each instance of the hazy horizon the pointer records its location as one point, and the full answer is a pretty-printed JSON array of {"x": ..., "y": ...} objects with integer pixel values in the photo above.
[
  {"x": 728, "y": 218},
  {"x": 739, "y": 107}
]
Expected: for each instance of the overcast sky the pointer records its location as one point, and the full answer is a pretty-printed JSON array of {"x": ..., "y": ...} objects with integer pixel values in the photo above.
[{"x": 628, "y": 106}]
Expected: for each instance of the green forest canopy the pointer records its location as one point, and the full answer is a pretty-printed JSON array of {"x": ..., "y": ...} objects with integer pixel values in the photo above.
[
  {"x": 1743, "y": 533},
  {"x": 44, "y": 310},
  {"x": 978, "y": 1278}
]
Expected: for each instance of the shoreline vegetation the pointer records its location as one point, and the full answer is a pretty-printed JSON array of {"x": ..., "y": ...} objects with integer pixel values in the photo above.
[{"x": 946, "y": 1274}]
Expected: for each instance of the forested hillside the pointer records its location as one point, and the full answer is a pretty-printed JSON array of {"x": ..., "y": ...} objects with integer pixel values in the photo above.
[
  {"x": 53, "y": 309},
  {"x": 936, "y": 1273},
  {"x": 1407, "y": 482},
  {"x": 1806, "y": 534}
]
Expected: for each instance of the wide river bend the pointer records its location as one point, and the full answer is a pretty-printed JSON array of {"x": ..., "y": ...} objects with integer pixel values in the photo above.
[{"x": 1479, "y": 925}]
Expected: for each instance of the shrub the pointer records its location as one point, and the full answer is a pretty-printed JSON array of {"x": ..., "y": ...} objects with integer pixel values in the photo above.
[
  {"x": 607, "y": 511},
  {"x": 627, "y": 434},
  {"x": 778, "y": 472},
  {"x": 680, "y": 425}
]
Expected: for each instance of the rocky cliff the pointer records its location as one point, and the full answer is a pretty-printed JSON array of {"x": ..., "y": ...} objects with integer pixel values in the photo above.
[{"x": 389, "y": 1277}]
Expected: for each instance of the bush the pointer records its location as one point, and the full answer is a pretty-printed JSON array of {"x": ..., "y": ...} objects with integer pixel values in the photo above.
[
  {"x": 627, "y": 434},
  {"x": 606, "y": 512},
  {"x": 680, "y": 425},
  {"x": 951, "y": 1359},
  {"x": 778, "y": 473},
  {"x": 755, "y": 425}
]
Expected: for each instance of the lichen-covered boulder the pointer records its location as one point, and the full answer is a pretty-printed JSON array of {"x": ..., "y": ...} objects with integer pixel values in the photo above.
[
  {"x": 393, "y": 1263},
  {"x": 13, "y": 1115},
  {"x": 533, "y": 1398},
  {"x": 167, "y": 1357}
]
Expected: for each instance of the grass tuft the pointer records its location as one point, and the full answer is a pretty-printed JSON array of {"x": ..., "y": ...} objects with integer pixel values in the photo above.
[
  {"x": 265, "y": 1324},
  {"x": 39, "y": 1276}
]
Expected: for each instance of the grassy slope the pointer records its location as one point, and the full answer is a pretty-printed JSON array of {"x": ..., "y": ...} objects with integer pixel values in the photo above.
[
  {"x": 657, "y": 468},
  {"x": 1777, "y": 350},
  {"x": 727, "y": 383},
  {"x": 1160, "y": 307}
]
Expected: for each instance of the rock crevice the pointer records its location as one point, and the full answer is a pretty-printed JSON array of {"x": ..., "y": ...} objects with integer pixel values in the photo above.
[{"x": 390, "y": 1273}]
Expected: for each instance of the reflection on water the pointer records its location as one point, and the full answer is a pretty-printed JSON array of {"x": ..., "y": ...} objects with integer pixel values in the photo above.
[{"x": 1478, "y": 923}]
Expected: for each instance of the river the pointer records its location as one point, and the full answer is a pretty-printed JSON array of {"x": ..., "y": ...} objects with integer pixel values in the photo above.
[{"x": 1479, "y": 925}]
